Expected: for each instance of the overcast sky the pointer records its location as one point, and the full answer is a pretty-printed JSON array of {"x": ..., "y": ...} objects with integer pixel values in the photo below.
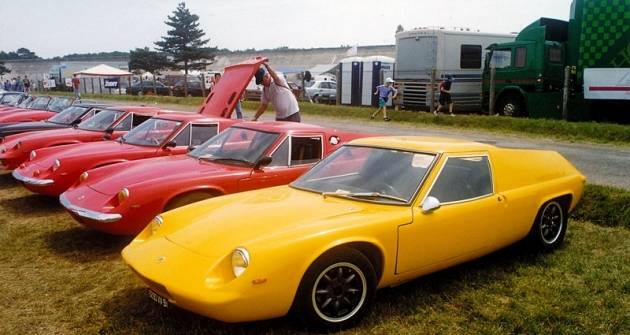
[{"x": 57, "y": 28}]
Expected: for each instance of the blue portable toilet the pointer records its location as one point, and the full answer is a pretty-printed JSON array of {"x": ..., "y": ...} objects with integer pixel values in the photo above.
[
  {"x": 351, "y": 74},
  {"x": 375, "y": 70}
]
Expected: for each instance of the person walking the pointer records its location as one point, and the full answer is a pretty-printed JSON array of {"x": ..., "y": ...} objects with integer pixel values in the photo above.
[
  {"x": 276, "y": 91},
  {"x": 445, "y": 96},
  {"x": 76, "y": 86},
  {"x": 383, "y": 92}
]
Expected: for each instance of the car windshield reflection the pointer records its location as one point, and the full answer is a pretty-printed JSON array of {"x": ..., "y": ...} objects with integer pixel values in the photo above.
[
  {"x": 68, "y": 115},
  {"x": 153, "y": 132},
  {"x": 236, "y": 146},
  {"x": 102, "y": 120},
  {"x": 369, "y": 174}
]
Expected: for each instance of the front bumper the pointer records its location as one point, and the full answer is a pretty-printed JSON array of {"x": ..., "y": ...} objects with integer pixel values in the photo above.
[
  {"x": 88, "y": 214},
  {"x": 31, "y": 181}
]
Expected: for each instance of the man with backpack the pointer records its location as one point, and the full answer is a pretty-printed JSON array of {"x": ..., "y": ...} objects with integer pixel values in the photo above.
[{"x": 445, "y": 96}]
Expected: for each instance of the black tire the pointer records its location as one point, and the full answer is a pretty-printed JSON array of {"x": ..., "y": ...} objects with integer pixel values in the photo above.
[
  {"x": 511, "y": 105},
  {"x": 337, "y": 290},
  {"x": 550, "y": 226},
  {"x": 187, "y": 199}
]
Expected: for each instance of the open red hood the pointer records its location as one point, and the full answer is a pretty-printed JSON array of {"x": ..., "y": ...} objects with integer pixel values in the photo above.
[{"x": 228, "y": 91}]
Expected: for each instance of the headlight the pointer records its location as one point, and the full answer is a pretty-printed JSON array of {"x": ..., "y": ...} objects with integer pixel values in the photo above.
[
  {"x": 240, "y": 261},
  {"x": 156, "y": 223},
  {"x": 122, "y": 195},
  {"x": 55, "y": 165},
  {"x": 83, "y": 177},
  {"x": 32, "y": 155}
]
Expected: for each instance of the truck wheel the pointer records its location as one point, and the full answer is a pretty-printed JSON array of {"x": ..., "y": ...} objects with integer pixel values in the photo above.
[
  {"x": 336, "y": 291},
  {"x": 511, "y": 105}
]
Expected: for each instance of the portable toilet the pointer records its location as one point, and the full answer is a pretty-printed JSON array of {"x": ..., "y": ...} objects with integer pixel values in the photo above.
[
  {"x": 351, "y": 73},
  {"x": 375, "y": 70}
]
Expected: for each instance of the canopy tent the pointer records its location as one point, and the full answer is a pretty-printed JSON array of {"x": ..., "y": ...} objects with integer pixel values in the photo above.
[{"x": 104, "y": 71}]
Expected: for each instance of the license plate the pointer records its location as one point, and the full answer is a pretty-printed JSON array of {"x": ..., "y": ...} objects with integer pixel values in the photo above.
[{"x": 159, "y": 299}]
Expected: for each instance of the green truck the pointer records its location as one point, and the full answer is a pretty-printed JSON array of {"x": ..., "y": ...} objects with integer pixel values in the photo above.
[{"x": 577, "y": 70}]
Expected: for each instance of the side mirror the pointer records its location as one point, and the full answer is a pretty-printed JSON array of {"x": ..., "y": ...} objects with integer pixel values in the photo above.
[
  {"x": 261, "y": 162},
  {"x": 430, "y": 204},
  {"x": 107, "y": 136},
  {"x": 170, "y": 144}
]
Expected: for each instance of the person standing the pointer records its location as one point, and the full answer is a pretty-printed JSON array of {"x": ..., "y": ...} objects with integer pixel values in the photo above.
[
  {"x": 20, "y": 84},
  {"x": 445, "y": 96},
  {"x": 276, "y": 91},
  {"x": 76, "y": 86},
  {"x": 7, "y": 86},
  {"x": 383, "y": 92},
  {"x": 27, "y": 84}
]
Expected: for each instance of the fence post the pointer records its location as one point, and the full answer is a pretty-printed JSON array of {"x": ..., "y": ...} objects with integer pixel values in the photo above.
[
  {"x": 432, "y": 88},
  {"x": 565, "y": 94},
  {"x": 492, "y": 88}
]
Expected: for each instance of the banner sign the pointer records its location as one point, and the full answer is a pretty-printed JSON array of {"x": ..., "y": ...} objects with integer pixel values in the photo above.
[{"x": 110, "y": 82}]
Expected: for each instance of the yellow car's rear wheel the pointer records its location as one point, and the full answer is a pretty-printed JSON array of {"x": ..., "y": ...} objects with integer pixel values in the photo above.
[{"x": 336, "y": 291}]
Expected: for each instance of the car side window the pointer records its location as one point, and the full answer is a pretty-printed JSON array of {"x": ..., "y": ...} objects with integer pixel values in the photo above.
[
  {"x": 196, "y": 134},
  {"x": 463, "y": 178},
  {"x": 124, "y": 125},
  {"x": 280, "y": 157},
  {"x": 306, "y": 150},
  {"x": 138, "y": 119}
]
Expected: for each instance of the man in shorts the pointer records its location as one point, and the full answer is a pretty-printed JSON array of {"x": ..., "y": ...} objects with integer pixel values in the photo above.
[
  {"x": 383, "y": 92},
  {"x": 445, "y": 96}
]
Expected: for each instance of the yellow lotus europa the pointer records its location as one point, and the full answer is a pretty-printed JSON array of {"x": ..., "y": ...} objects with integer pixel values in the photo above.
[{"x": 375, "y": 213}]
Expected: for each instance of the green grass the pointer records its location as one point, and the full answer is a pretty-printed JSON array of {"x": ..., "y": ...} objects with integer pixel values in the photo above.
[
  {"x": 594, "y": 132},
  {"x": 61, "y": 278}
]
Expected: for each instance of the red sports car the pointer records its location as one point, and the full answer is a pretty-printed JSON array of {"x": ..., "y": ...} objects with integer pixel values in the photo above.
[
  {"x": 123, "y": 198},
  {"x": 24, "y": 115},
  {"x": 50, "y": 171},
  {"x": 114, "y": 122}
]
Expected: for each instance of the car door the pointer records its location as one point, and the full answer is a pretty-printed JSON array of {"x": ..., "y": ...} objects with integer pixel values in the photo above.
[{"x": 465, "y": 224}]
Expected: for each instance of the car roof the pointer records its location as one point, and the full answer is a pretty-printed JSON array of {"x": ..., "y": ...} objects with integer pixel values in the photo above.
[
  {"x": 93, "y": 105},
  {"x": 149, "y": 110},
  {"x": 188, "y": 116},
  {"x": 424, "y": 143}
]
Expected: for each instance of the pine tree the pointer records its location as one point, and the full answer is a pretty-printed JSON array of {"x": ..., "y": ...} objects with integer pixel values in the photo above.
[{"x": 184, "y": 43}]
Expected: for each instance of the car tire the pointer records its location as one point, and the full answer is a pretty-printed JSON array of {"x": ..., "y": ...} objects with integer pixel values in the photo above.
[
  {"x": 550, "y": 226},
  {"x": 511, "y": 105},
  {"x": 140, "y": 93},
  {"x": 317, "y": 99},
  {"x": 186, "y": 199},
  {"x": 336, "y": 291}
]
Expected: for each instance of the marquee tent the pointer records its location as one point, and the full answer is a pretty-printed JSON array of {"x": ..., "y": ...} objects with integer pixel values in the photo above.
[{"x": 105, "y": 71}]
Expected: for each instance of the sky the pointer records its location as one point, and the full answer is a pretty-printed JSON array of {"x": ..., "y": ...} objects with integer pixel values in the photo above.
[{"x": 58, "y": 28}]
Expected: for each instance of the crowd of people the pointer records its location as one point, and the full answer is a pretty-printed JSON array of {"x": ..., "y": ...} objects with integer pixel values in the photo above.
[{"x": 18, "y": 84}]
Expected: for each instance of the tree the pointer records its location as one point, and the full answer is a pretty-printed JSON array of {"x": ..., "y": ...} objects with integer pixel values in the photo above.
[
  {"x": 3, "y": 69},
  {"x": 400, "y": 28},
  {"x": 184, "y": 43},
  {"x": 146, "y": 60}
]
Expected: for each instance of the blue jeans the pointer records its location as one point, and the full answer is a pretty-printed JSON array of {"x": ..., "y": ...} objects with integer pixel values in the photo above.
[
  {"x": 239, "y": 111},
  {"x": 77, "y": 93}
]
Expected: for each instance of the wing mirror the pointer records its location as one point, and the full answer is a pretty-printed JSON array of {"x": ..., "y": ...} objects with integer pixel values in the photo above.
[
  {"x": 170, "y": 144},
  {"x": 261, "y": 162},
  {"x": 430, "y": 204}
]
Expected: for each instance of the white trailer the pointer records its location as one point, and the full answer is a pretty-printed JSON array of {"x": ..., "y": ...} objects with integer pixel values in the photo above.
[{"x": 451, "y": 52}]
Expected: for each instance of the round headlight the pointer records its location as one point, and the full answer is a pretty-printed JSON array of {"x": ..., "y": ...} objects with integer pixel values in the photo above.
[
  {"x": 32, "y": 155},
  {"x": 55, "y": 165},
  {"x": 240, "y": 261},
  {"x": 83, "y": 177},
  {"x": 122, "y": 195},
  {"x": 156, "y": 223}
]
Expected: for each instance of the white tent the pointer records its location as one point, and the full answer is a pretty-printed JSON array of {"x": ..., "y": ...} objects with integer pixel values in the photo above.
[{"x": 104, "y": 71}]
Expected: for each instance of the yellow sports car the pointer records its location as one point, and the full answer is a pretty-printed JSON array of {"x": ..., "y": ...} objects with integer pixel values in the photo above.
[{"x": 375, "y": 213}]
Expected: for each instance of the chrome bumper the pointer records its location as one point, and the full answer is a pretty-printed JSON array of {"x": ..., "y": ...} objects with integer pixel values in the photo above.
[
  {"x": 86, "y": 213},
  {"x": 32, "y": 181}
]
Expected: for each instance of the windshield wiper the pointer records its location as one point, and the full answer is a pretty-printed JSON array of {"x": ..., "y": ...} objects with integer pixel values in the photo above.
[
  {"x": 362, "y": 195},
  {"x": 230, "y": 159}
]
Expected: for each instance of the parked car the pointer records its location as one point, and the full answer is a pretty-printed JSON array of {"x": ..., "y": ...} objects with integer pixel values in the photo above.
[
  {"x": 321, "y": 91},
  {"x": 69, "y": 117},
  {"x": 50, "y": 171},
  {"x": 147, "y": 87},
  {"x": 195, "y": 89},
  {"x": 253, "y": 91},
  {"x": 12, "y": 99},
  {"x": 38, "y": 103},
  {"x": 29, "y": 115},
  {"x": 246, "y": 156},
  {"x": 110, "y": 123},
  {"x": 373, "y": 214}
]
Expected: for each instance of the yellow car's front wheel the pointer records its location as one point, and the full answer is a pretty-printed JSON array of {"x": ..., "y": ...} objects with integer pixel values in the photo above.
[{"x": 336, "y": 291}]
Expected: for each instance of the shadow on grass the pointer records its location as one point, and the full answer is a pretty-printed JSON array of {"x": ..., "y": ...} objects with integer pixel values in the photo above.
[
  {"x": 7, "y": 181},
  {"x": 132, "y": 311},
  {"x": 33, "y": 205},
  {"x": 84, "y": 244}
]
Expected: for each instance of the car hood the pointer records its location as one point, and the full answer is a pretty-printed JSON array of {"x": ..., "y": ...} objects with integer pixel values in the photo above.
[
  {"x": 162, "y": 170},
  {"x": 91, "y": 151},
  {"x": 270, "y": 214}
]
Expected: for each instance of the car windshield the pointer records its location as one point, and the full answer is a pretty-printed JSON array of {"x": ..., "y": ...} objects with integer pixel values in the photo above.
[
  {"x": 102, "y": 120},
  {"x": 26, "y": 103},
  {"x": 60, "y": 104},
  {"x": 153, "y": 132},
  {"x": 68, "y": 115},
  {"x": 236, "y": 146},
  {"x": 368, "y": 174},
  {"x": 40, "y": 103}
]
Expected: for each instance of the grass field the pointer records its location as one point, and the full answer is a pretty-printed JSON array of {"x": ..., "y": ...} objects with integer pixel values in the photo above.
[{"x": 57, "y": 277}]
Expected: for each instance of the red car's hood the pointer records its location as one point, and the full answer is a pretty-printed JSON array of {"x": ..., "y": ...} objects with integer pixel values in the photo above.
[
  {"x": 89, "y": 152},
  {"x": 27, "y": 115},
  {"x": 109, "y": 180},
  {"x": 233, "y": 83},
  {"x": 50, "y": 135}
]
